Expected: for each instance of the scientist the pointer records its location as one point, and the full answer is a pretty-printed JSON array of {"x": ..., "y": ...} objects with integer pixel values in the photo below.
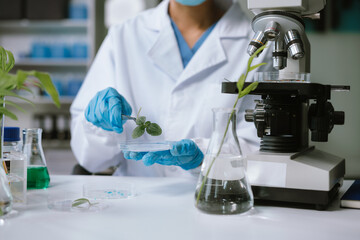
[{"x": 169, "y": 61}]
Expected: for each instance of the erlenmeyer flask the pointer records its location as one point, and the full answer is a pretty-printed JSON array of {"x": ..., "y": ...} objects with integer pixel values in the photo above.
[
  {"x": 223, "y": 187},
  {"x": 37, "y": 172}
]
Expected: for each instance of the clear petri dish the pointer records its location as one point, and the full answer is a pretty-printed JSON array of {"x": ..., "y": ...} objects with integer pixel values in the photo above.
[
  {"x": 113, "y": 190},
  {"x": 66, "y": 201},
  {"x": 143, "y": 146},
  {"x": 282, "y": 77}
]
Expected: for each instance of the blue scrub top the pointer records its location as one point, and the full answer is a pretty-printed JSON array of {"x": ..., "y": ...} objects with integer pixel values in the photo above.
[{"x": 185, "y": 51}]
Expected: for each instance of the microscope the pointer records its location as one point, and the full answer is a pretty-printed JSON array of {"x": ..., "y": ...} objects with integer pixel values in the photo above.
[{"x": 286, "y": 168}]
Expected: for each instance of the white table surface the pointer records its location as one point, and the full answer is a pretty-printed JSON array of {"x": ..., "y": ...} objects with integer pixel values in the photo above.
[{"x": 164, "y": 209}]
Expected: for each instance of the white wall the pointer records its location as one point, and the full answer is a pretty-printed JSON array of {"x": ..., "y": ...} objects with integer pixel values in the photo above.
[{"x": 336, "y": 61}]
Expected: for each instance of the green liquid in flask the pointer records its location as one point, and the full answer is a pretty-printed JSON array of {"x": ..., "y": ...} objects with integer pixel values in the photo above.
[{"x": 37, "y": 177}]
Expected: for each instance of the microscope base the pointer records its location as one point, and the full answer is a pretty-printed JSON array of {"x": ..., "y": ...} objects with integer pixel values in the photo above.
[
  {"x": 318, "y": 200},
  {"x": 311, "y": 177}
]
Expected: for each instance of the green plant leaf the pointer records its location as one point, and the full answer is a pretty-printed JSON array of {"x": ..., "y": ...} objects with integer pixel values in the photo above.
[
  {"x": 140, "y": 120},
  {"x": 248, "y": 89},
  {"x": 240, "y": 83},
  {"x": 10, "y": 63},
  {"x": 255, "y": 55},
  {"x": 46, "y": 83},
  {"x": 80, "y": 201},
  {"x": 242, "y": 93},
  {"x": 3, "y": 59},
  {"x": 256, "y": 66},
  {"x": 7, "y": 103},
  {"x": 154, "y": 129},
  {"x": 8, "y": 81},
  {"x": 138, "y": 131},
  {"x": 147, "y": 124},
  {"x": 4, "y": 92},
  {"x": 8, "y": 113}
]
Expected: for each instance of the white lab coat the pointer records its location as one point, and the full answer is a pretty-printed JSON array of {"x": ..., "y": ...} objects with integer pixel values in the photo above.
[{"x": 141, "y": 60}]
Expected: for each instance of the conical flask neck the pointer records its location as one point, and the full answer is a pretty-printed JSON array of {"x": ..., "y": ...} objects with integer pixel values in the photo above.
[{"x": 224, "y": 138}]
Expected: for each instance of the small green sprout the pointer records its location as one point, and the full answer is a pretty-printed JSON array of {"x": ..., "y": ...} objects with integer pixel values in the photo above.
[
  {"x": 242, "y": 92},
  {"x": 80, "y": 201},
  {"x": 142, "y": 125}
]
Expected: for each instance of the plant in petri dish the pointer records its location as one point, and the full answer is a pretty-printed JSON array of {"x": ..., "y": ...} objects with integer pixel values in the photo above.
[
  {"x": 142, "y": 125},
  {"x": 81, "y": 201}
]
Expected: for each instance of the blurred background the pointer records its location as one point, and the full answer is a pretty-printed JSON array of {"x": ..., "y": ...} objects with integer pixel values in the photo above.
[{"x": 62, "y": 37}]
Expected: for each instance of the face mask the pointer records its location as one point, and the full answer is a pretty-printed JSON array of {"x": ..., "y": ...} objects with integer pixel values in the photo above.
[{"x": 190, "y": 2}]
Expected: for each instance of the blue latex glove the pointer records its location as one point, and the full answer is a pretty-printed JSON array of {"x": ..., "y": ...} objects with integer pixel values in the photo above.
[
  {"x": 185, "y": 154},
  {"x": 106, "y": 108}
]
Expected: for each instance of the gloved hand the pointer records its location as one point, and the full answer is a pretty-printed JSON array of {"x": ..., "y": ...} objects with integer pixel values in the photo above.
[
  {"x": 185, "y": 154},
  {"x": 106, "y": 108}
]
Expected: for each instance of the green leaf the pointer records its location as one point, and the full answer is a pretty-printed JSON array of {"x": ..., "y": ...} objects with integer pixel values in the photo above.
[
  {"x": 154, "y": 129},
  {"x": 240, "y": 83},
  {"x": 12, "y": 94},
  {"x": 8, "y": 81},
  {"x": 21, "y": 78},
  {"x": 140, "y": 120},
  {"x": 3, "y": 59},
  {"x": 256, "y": 66},
  {"x": 147, "y": 124},
  {"x": 255, "y": 55},
  {"x": 138, "y": 131},
  {"x": 8, "y": 113},
  {"x": 7, "y": 103},
  {"x": 11, "y": 61},
  {"x": 248, "y": 89},
  {"x": 80, "y": 201},
  {"x": 45, "y": 81}
]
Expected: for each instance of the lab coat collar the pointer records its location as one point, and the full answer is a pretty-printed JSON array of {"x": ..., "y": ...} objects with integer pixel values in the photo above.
[{"x": 165, "y": 53}]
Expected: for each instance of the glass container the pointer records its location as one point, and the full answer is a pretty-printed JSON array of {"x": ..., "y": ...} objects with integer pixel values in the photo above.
[
  {"x": 223, "y": 187},
  {"x": 37, "y": 171},
  {"x": 5, "y": 194},
  {"x": 14, "y": 163}
]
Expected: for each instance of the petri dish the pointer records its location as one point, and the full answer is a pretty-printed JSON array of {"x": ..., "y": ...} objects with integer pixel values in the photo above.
[
  {"x": 113, "y": 190},
  {"x": 66, "y": 201},
  {"x": 142, "y": 146}
]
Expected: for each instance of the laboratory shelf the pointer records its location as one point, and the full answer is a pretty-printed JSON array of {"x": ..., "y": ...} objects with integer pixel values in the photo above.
[
  {"x": 36, "y": 25},
  {"x": 63, "y": 62},
  {"x": 66, "y": 100}
]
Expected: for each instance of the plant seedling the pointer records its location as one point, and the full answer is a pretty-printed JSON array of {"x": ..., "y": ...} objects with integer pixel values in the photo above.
[
  {"x": 142, "y": 125},
  {"x": 80, "y": 201},
  {"x": 242, "y": 92}
]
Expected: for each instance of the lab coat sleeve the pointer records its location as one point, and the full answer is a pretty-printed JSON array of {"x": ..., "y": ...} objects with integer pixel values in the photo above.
[{"x": 94, "y": 148}]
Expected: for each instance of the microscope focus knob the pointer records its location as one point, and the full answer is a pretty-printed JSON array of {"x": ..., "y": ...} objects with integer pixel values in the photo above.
[
  {"x": 322, "y": 119},
  {"x": 249, "y": 115},
  {"x": 339, "y": 118},
  {"x": 258, "y": 117}
]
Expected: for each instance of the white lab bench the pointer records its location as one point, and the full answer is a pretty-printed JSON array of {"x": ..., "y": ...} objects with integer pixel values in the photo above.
[{"x": 164, "y": 209}]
